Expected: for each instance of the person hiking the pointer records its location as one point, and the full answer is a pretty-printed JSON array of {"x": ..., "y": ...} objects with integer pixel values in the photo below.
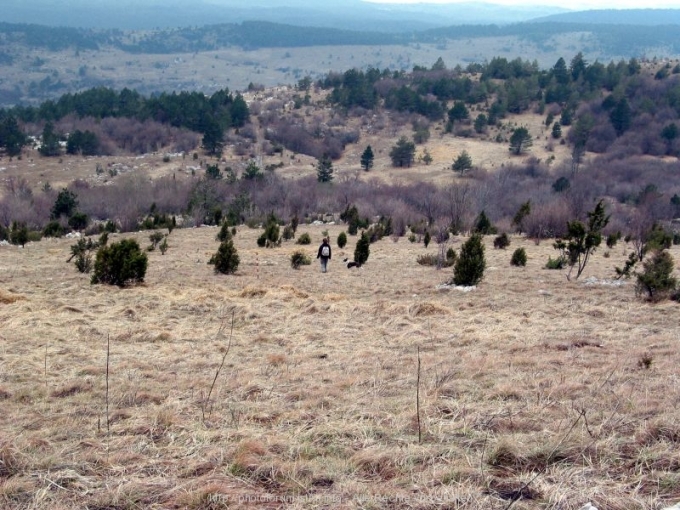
[{"x": 324, "y": 254}]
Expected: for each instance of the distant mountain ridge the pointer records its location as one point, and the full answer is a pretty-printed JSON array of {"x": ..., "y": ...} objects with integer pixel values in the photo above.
[
  {"x": 346, "y": 15},
  {"x": 647, "y": 17}
]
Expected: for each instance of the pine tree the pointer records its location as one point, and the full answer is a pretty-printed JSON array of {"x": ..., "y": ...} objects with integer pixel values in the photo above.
[
  {"x": 483, "y": 225},
  {"x": 11, "y": 136},
  {"x": 520, "y": 140},
  {"x": 657, "y": 277},
  {"x": 362, "y": 249},
  {"x": 523, "y": 211},
  {"x": 324, "y": 169},
  {"x": 463, "y": 162},
  {"x": 403, "y": 152},
  {"x": 557, "y": 130},
  {"x": 620, "y": 116},
  {"x": 50, "y": 141},
  {"x": 470, "y": 265},
  {"x": 120, "y": 263},
  {"x": 581, "y": 240},
  {"x": 367, "y": 159},
  {"x": 226, "y": 260}
]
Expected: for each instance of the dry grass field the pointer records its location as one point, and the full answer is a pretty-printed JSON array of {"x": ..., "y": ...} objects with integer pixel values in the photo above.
[{"x": 560, "y": 392}]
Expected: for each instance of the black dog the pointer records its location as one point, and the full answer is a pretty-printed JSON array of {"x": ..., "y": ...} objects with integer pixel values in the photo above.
[{"x": 351, "y": 263}]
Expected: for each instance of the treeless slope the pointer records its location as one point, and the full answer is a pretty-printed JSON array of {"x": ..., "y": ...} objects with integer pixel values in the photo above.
[{"x": 528, "y": 378}]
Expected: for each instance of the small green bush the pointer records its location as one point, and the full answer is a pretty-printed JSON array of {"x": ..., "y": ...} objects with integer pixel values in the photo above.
[
  {"x": 304, "y": 239},
  {"x": 483, "y": 225},
  {"x": 434, "y": 260},
  {"x": 120, "y": 263},
  {"x": 656, "y": 279},
  {"x": 53, "y": 229},
  {"x": 110, "y": 227},
  {"x": 34, "y": 236},
  {"x": 556, "y": 263},
  {"x": 78, "y": 221},
  {"x": 612, "y": 239},
  {"x": 18, "y": 234},
  {"x": 519, "y": 257},
  {"x": 226, "y": 260},
  {"x": 342, "y": 240},
  {"x": 83, "y": 262},
  {"x": 288, "y": 233},
  {"x": 470, "y": 265},
  {"x": 156, "y": 237},
  {"x": 81, "y": 251},
  {"x": 270, "y": 237},
  {"x": 299, "y": 258},
  {"x": 427, "y": 259},
  {"x": 426, "y": 238},
  {"x": 501, "y": 242},
  {"x": 362, "y": 249}
]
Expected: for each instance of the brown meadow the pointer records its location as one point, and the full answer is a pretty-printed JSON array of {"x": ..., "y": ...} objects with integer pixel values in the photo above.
[{"x": 531, "y": 386}]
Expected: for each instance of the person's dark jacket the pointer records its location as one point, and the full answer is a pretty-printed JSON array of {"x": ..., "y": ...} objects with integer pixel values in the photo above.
[{"x": 320, "y": 255}]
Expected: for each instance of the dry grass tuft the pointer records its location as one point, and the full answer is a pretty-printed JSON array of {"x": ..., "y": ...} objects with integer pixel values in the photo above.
[
  {"x": 513, "y": 490},
  {"x": 660, "y": 431},
  {"x": 71, "y": 389},
  {"x": 12, "y": 463},
  {"x": 7, "y": 298},
  {"x": 428, "y": 310},
  {"x": 253, "y": 292},
  {"x": 375, "y": 465},
  {"x": 16, "y": 492},
  {"x": 506, "y": 455}
]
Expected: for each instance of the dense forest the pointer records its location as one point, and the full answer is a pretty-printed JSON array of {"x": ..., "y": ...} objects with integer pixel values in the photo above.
[{"x": 623, "y": 115}]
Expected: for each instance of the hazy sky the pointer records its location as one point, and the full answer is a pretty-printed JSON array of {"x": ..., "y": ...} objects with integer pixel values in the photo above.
[{"x": 574, "y": 4}]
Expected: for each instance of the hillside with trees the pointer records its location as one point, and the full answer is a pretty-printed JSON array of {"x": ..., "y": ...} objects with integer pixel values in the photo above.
[
  {"x": 615, "y": 125},
  {"x": 497, "y": 327}
]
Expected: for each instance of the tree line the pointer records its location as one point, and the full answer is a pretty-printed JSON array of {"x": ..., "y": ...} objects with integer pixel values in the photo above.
[
  {"x": 613, "y": 39},
  {"x": 210, "y": 116}
]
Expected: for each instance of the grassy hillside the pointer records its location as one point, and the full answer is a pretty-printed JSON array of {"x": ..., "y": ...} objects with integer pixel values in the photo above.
[{"x": 531, "y": 387}]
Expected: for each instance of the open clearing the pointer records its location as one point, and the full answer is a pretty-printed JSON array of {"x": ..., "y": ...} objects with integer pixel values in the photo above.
[{"x": 570, "y": 386}]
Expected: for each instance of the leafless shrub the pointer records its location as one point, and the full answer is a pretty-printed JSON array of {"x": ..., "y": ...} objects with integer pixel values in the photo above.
[
  {"x": 255, "y": 108},
  {"x": 548, "y": 219},
  {"x": 248, "y": 131}
]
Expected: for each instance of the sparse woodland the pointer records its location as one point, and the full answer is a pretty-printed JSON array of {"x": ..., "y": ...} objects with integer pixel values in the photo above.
[{"x": 231, "y": 368}]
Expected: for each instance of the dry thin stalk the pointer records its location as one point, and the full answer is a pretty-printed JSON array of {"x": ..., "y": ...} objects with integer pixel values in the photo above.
[
  {"x": 108, "y": 356},
  {"x": 45, "y": 365},
  {"x": 219, "y": 369},
  {"x": 418, "y": 399}
]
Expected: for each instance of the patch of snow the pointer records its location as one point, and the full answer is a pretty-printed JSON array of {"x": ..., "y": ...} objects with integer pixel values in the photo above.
[
  {"x": 460, "y": 288},
  {"x": 591, "y": 280}
]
